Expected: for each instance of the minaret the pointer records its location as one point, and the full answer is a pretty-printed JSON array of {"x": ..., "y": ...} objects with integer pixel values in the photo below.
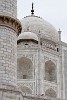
[
  {"x": 59, "y": 34},
  {"x": 9, "y": 28}
]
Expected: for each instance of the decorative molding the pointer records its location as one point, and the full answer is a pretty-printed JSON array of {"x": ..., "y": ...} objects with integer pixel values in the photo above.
[
  {"x": 27, "y": 84},
  {"x": 11, "y": 23},
  {"x": 27, "y": 45},
  {"x": 6, "y": 87},
  {"x": 48, "y": 85},
  {"x": 53, "y": 60},
  {"x": 28, "y": 40},
  {"x": 29, "y": 56}
]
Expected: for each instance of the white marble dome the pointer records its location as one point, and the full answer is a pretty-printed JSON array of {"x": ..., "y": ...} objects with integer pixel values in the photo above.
[
  {"x": 38, "y": 25},
  {"x": 28, "y": 35}
]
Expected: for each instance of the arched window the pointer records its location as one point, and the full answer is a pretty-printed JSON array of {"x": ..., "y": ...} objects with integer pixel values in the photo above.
[
  {"x": 50, "y": 93},
  {"x": 26, "y": 90},
  {"x": 50, "y": 71},
  {"x": 24, "y": 68}
]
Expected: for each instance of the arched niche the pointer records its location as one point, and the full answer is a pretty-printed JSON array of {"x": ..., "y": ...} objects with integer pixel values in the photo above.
[
  {"x": 50, "y": 71},
  {"x": 26, "y": 90},
  {"x": 50, "y": 93},
  {"x": 25, "y": 68}
]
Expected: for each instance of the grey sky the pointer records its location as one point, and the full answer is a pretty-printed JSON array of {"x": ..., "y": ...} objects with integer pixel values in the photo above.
[{"x": 54, "y": 11}]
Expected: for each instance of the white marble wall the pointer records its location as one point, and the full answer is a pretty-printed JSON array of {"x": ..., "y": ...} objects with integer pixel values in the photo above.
[
  {"x": 39, "y": 57},
  {"x": 8, "y": 8},
  {"x": 64, "y": 72},
  {"x": 8, "y": 52},
  {"x": 8, "y": 56}
]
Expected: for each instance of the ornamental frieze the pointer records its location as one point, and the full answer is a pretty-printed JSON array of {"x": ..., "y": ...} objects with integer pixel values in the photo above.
[{"x": 11, "y": 23}]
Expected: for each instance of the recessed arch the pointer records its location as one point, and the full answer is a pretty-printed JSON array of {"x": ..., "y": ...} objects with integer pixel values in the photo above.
[
  {"x": 50, "y": 93},
  {"x": 25, "y": 68},
  {"x": 50, "y": 71},
  {"x": 26, "y": 90}
]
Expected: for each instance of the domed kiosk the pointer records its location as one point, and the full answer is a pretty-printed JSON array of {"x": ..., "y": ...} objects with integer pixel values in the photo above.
[
  {"x": 38, "y": 55},
  {"x": 29, "y": 36}
]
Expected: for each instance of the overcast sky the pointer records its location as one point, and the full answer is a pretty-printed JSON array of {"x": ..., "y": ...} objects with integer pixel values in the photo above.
[{"x": 54, "y": 11}]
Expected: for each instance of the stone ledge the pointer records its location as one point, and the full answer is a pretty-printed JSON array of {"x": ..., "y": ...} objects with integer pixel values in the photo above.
[
  {"x": 11, "y": 23},
  {"x": 39, "y": 97},
  {"x": 4, "y": 87}
]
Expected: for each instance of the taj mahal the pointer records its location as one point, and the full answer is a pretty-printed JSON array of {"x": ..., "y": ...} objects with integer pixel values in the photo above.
[{"x": 33, "y": 59}]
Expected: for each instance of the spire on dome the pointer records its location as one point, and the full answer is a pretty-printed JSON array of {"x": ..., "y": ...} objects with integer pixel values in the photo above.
[
  {"x": 32, "y": 11},
  {"x": 59, "y": 30}
]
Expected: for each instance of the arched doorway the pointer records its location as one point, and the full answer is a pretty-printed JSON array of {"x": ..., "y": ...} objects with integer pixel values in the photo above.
[
  {"x": 50, "y": 71},
  {"x": 26, "y": 90},
  {"x": 25, "y": 68},
  {"x": 50, "y": 93}
]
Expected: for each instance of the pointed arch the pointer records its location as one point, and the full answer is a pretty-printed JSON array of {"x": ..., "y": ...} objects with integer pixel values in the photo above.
[
  {"x": 50, "y": 71},
  {"x": 25, "y": 68},
  {"x": 50, "y": 93},
  {"x": 26, "y": 90}
]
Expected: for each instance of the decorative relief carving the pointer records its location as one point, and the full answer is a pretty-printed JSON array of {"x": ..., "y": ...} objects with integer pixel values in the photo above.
[
  {"x": 29, "y": 56},
  {"x": 28, "y": 44},
  {"x": 27, "y": 84},
  {"x": 50, "y": 93},
  {"x": 48, "y": 85},
  {"x": 11, "y": 23},
  {"x": 47, "y": 59},
  {"x": 48, "y": 44}
]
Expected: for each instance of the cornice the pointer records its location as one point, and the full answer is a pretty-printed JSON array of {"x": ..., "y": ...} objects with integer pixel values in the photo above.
[
  {"x": 11, "y": 23},
  {"x": 31, "y": 40}
]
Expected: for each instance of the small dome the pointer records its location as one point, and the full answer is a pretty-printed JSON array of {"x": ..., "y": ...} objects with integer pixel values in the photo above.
[
  {"x": 38, "y": 25},
  {"x": 28, "y": 36}
]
